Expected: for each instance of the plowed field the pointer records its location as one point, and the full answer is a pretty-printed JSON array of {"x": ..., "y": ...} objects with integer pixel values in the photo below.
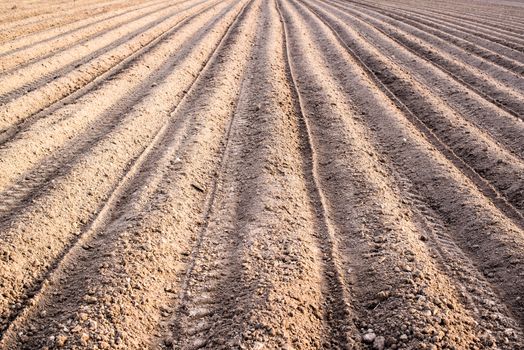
[{"x": 262, "y": 174}]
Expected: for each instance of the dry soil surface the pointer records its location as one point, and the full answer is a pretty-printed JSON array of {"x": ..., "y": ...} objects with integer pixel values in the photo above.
[{"x": 261, "y": 174}]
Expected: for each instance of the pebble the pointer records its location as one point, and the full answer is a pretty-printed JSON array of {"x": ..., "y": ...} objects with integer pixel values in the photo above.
[
  {"x": 168, "y": 342},
  {"x": 84, "y": 338},
  {"x": 369, "y": 338},
  {"x": 90, "y": 299},
  {"x": 61, "y": 340},
  {"x": 379, "y": 343},
  {"x": 403, "y": 337},
  {"x": 383, "y": 295}
]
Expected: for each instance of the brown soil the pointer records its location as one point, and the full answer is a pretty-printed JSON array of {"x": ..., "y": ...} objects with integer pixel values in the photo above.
[{"x": 262, "y": 174}]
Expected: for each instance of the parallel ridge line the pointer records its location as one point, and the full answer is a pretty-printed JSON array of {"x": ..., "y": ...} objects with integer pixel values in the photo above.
[
  {"x": 10, "y": 133},
  {"x": 481, "y": 27},
  {"x": 210, "y": 200},
  {"x": 449, "y": 25},
  {"x": 80, "y": 41},
  {"x": 483, "y": 14},
  {"x": 475, "y": 17},
  {"x": 29, "y": 28},
  {"x": 495, "y": 27},
  {"x": 48, "y": 77},
  {"x": 209, "y": 204},
  {"x": 54, "y": 14},
  {"x": 428, "y": 36},
  {"x": 71, "y": 31},
  {"x": 104, "y": 214},
  {"x": 448, "y": 250},
  {"x": 482, "y": 184},
  {"x": 339, "y": 303},
  {"x": 34, "y": 182},
  {"x": 477, "y": 33},
  {"x": 464, "y": 116},
  {"x": 507, "y": 61},
  {"x": 442, "y": 68},
  {"x": 488, "y": 134}
]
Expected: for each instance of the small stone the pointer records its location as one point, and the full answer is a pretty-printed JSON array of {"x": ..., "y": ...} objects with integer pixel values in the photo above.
[
  {"x": 369, "y": 338},
  {"x": 61, "y": 340},
  {"x": 84, "y": 338},
  {"x": 379, "y": 343},
  {"x": 168, "y": 342},
  {"x": 426, "y": 313},
  {"x": 90, "y": 299},
  {"x": 383, "y": 295},
  {"x": 403, "y": 337}
]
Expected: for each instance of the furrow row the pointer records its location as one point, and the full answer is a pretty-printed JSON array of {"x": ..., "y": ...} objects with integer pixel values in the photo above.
[
  {"x": 262, "y": 174},
  {"x": 39, "y": 47},
  {"x": 58, "y": 217},
  {"x": 493, "y": 55},
  {"x": 423, "y": 107},
  {"x": 401, "y": 150},
  {"x": 54, "y": 19},
  {"x": 468, "y": 31},
  {"x": 48, "y": 85},
  {"x": 502, "y": 88},
  {"x": 399, "y": 289}
]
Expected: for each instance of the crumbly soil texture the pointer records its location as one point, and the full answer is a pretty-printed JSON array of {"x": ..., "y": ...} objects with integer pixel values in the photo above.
[{"x": 262, "y": 174}]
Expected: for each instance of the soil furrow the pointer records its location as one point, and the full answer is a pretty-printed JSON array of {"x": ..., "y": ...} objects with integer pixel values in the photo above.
[
  {"x": 337, "y": 298},
  {"x": 488, "y": 54},
  {"x": 399, "y": 290},
  {"x": 69, "y": 105},
  {"x": 144, "y": 225},
  {"x": 27, "y": 180},
  {"x": 11, "y": 13},
  {"x": 450, "y": 26},
  {"x": 422, "y": 108},
  {"x": 484, "y": 22},
  {"x": 18, "y": 30},
  {"x": 467, "y": 211},
  {"x": 411, "y": 35},
  {"x": 507, "y": 97},
  {"x": 90, "y": 179},
  {"x": 26, "y": 42},
  {"x": 24, "y": 55},
  {"x": 275, "y": 303},
  {"x": 515, "y": 40},
  {"x": 340, "y": 325},
  {"x": 73, "y": 79},
  {"x": 508, "y": 18},
  {"x": 26, "y": 78},
  {"x": 262, "y": 174},
  {"x": 36, "y": 17},
  {"x": 502, "y": 48}
]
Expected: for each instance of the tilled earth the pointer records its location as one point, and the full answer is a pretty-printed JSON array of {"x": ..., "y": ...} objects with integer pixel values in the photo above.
[{"x": 261, "y": 174}]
